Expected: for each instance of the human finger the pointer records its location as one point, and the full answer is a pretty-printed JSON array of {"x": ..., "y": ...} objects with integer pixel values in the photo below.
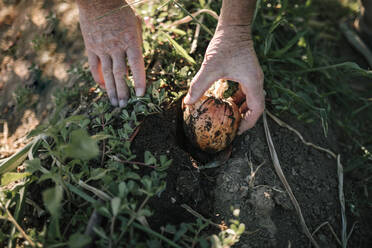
[
  {"x": 137, "y": 66},
  {"x": 120, "y": 72},
  {"x": 109, "y": 78},
  {"x": 252, "y": 108},
  {"x": 205, "y": 77},
  {"x": 94, "y": 64}
]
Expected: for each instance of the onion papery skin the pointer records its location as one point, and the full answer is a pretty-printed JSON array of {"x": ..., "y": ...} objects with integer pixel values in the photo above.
[{"x": 211, "y": 124}]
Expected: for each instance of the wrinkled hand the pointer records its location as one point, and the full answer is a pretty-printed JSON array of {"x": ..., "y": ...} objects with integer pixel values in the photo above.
[
  {"x": 110, "y": 38},
  {"x": 231, "y": 56}
]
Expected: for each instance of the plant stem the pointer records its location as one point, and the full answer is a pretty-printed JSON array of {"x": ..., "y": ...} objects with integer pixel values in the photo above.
[
  {"x": 134, "y": 216},
  {"x": 136, "y": 163},
  {"x": 14, "y": 222},
  {"x": 158, "y": 235}
]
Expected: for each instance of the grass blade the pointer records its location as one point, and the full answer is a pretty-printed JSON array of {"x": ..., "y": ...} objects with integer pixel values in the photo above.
[
  {"x": 258, "y": 5},
  {"x": 17, "y": 214},
  {"x": 340, "y": 173},
  {"x": 196, "y": 20},
  {"x": 180, "y": 50},
  {"x": 290, "y": 44},
  {"x": 80, "y": 193},
  {"x": 346, "y": 65},
  {"x": 17, "y": 159}
]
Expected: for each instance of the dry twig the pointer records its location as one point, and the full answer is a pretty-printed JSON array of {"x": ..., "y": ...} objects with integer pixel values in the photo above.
[
  {"x": 187, "y": 19},
  {"x": 280, "y": 173},
  {"x": 283, "y": 124},
  {"x": 330, "y": 228},
  {"x": 340, "y": 174},
  {"x": 19, "y": 228},
  {"x": 196, "y": 214}
]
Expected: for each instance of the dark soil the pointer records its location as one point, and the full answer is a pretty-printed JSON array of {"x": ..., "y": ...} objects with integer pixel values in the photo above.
[{"x": 265, "y": 207}]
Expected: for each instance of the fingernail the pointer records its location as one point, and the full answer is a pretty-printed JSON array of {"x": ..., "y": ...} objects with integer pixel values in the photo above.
[
  {"x": 187, "y": 99},
  {"x": 123, "y": 103},
  {"x": 114, "y": 101},
  {"x": 140, "y": 91}
]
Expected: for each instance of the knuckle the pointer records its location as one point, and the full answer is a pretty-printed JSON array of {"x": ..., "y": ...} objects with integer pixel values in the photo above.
[
  {"x": 209, "y": 58},
  {"x": 93, "y": 65},
  {"x": 119, "y": 72},
  {"x": 106, "y": 70},
  {"x": 131, "y": 37},
  {"x": 260, "y": 76}
]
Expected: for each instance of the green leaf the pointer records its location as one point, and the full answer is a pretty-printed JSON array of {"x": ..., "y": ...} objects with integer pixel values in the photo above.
[
  {"x": 78, "y": 240},
  {"x": 149, "y": 158},
  {"x": 241, "y": 229},
  {"x": 81, "y": 146},
  {"x": 279, "y": 20},
  {"x": 164, "y": 162},
  {"x": 98, "y": 173},
  {"x": 170, "y": 228},
  {"x": 104, "y": 212},
  {"x": 10, "y": 177},
  {"x": 100, "y": 232},
  {"x": 52, "y": 200},
  {"x": 177, "y": 31},
  {"x": 16, "y": 159},
  {"x": 115, "y": 205},
  {"x": 132, "y": 175},
  {"x": 202, "y": 3},
  {"x": 290, "y": 43},
  {"x": 122, "y": 189},
  {"x": 179, "y": 49},
  {"x": 101, "y": 136},
  {"x": 180, "y": 232},
  {"x": 80, "y": 193},
  {"x": 73, "y": 119}
]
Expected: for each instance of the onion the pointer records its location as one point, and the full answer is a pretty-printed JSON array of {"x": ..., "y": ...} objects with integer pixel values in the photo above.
[{"x": 211, "y": 123}]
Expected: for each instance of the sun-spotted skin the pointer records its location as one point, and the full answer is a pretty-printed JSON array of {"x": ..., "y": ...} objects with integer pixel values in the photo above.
[{"x": 211, "y": 124}]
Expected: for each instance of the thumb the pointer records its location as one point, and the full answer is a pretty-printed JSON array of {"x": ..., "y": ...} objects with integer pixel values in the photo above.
[{"x": 205, "y": 77}]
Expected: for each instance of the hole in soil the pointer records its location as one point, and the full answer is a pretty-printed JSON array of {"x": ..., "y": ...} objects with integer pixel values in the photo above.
[{"x": 184, "y": 143}]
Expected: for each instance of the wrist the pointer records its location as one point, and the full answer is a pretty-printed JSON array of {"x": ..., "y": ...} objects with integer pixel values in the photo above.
[
  {"x": 237, "y": 12},
  {"x": 234, "y": 31},
  {"x": 99, "y": 6}
]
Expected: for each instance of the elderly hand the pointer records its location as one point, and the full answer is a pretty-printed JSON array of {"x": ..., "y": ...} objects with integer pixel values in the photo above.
[
  {"x": 231, "y": 56},
  {"x": 112, "y": 35}
]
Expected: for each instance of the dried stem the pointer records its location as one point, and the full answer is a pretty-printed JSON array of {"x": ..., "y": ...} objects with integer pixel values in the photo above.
[
  {"x": 330, "y": 228},
  {"x": 339, "y": 173},
  {"x": 196, "y": 214},
  {"x": 19, "y": 228},
  {"x": 280, "y": 173}
]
